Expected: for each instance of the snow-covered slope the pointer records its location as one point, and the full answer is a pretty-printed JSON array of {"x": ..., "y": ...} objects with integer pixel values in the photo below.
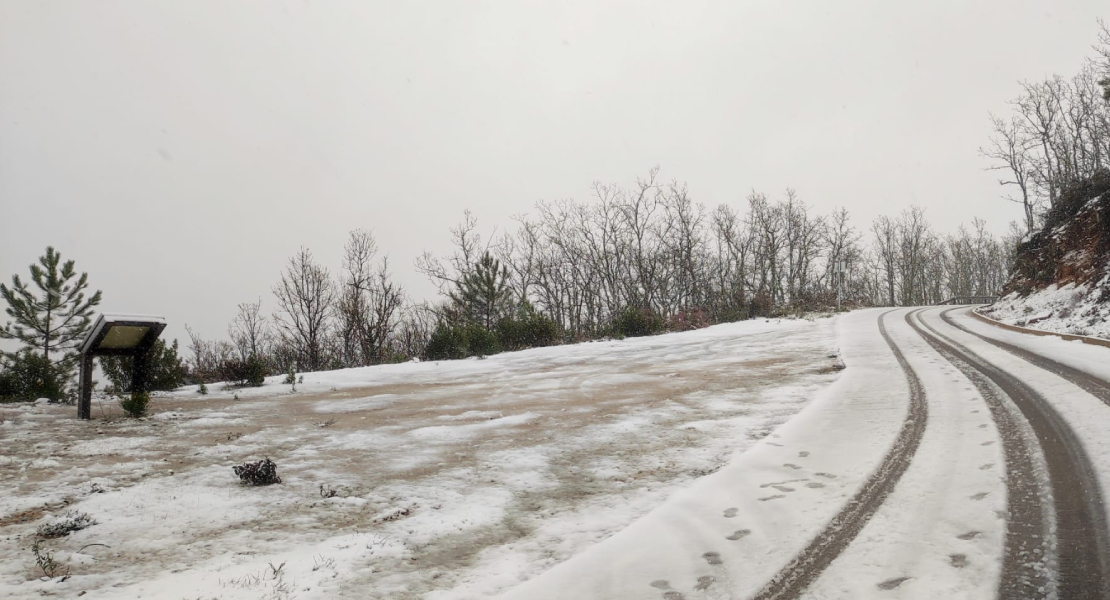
[{"x": 1061, "y": 279}]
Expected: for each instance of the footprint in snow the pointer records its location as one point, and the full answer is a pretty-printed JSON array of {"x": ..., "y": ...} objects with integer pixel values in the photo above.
[
  {"x": 815, "y": 485},
  {"x": 739, "y": 534},
  {"x": 803, "y": 454},
  {"x": 673, "y": 595},
  {"x": 970, "y": 535},
  {"x": 958, "y": 560},
  {"x": 980, "y": 495},
  {"x": 731, "y": 512},
  {"x": 778, "y": 483},
  {"x": 974, "y": 412},
  {"x": 712, "y": 558},
  {"x": 661, "y": 584},
  {"x": 775, "y": 497},
  {"x": 890, "y": 584},
  {"x": 774, "y": 444},
  {"x": 704, "y": 582},
  {"x": 826, "y": 475},
  {"x": 986, "y": 443},
  {"x": 783, "y": 488},
  {"x": 986, "y": 466},
  {"x": 791, "y": 466}
]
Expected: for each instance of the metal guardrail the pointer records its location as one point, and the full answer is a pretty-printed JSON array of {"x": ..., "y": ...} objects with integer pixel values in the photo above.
[{"x": 957, "y": 300}]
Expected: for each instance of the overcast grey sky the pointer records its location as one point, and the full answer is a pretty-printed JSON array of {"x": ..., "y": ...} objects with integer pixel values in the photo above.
[{"x": 181, "y": 151}]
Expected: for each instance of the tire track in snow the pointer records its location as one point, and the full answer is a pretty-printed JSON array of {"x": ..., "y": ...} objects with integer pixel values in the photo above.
[
  {"x": 803, "y": 569},
  {"x": 1099, "y": 388},
  {"x": 1082, "y": 537},
  {"x": 1028, "y": 558}
]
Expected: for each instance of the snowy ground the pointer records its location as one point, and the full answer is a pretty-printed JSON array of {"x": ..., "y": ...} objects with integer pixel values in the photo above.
[
  {"x": 733, "y": 462},
  {"x": 454, "y": 480},
  {"x": 1069, "y": 309}
]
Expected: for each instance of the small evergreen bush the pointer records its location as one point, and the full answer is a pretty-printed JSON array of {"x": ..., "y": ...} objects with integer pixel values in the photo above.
[
  {"x": 635, "y": 322},
  {"x": 166, "y": 371},
  {"x": 28, "y": 376},
  {"x": 447, "y": 342},
  {"x": 202, "y": 389},
  {"x": 528, "y": 328},
  {"x": 136, "y": 404},
  {"x": 480, "y": 342},
  {"x": 256, "y": 371}
]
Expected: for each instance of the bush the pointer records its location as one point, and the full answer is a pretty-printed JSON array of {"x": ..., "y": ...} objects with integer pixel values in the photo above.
[
  {"x": 480, "y": 342},
  {"x": 447, "y": 342},
  {"x": 136, "y": 404},
  {"x": 256, "y": 371},
  {"x": 70, "y": 522},
  {"x": 167, "y": 371},
  {"x": 460, "y": 341},
  {"x": 635, "y": 322},
  {"x": 263, "y": 472},
  {"x": 761, "y": 305},
  {"x": 687, "y": 320},
  {"x": 526, "y": 329},
  {"x": 28, "y": 376},
  {"x": 243, "y": 373}
]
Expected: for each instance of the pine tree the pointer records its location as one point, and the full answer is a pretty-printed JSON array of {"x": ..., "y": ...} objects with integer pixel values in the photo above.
[
  {"x": 483, "y": 295},
  {"x": 57, "y": 317}
]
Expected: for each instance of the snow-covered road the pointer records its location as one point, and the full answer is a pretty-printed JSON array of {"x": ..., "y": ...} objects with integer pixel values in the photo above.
[{"x": 952, "y": 460}]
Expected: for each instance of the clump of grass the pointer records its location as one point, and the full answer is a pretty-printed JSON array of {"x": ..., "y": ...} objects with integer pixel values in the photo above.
[
  {"x": 263, "y": 472},
  {"x": 45, "y": 560},
  {"x": 70, "y": 522}
]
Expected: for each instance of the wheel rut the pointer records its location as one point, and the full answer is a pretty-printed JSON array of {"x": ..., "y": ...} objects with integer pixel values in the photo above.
[
  {"x": 1097, "y": 387},
  {"x": 793, "y": 579},
  {"x": 1028, "y": 556},
  {"x": 1082, "y": 565}
]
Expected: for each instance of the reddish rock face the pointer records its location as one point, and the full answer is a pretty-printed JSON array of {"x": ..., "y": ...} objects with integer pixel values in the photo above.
[{"x": 1073, "y": 247}]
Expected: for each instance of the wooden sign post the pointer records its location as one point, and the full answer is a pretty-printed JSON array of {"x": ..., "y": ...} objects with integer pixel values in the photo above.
[{"x": 118, "y": 335}]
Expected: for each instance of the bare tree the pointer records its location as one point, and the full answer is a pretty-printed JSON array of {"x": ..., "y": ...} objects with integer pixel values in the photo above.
[
  {"x": 305, "y": 297},
  {"x": 250, "y": 331},
  {"x": 1009, "y": 150},
  {"x": 885, "y": 231}
]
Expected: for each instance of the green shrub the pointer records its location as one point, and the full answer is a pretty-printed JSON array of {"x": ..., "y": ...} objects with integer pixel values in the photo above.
[
  {"x": 256, "y": 371},
  {"x": 447, "y": 342},
  {"x": 28, "y": 376},
  {"x": 460, "y": 341},
  {"x": 202, "y": 389},
  {"x": 136, "y": 404},
  {"x": 239, "y": 373},
  {"x": 527, "y": 328},
  {"x": 634, "y": 322},
  {"x": 480, "y": 342},
  {"x": 166, "y": 373}
]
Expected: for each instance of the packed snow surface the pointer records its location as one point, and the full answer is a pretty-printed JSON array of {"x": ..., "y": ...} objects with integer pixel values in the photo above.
[{"x": 456, "y": 479}]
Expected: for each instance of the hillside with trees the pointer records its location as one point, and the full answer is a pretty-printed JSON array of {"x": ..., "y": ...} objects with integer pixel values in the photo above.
[{"x": 1055, "y": 149}]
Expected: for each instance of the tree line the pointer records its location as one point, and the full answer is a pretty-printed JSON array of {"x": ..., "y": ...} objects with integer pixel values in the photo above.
[{"x": 629, "y": 260}]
